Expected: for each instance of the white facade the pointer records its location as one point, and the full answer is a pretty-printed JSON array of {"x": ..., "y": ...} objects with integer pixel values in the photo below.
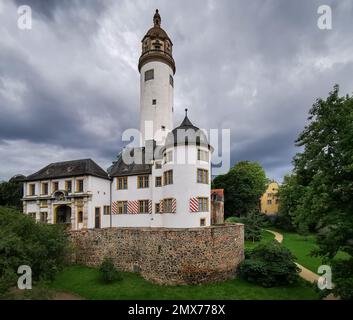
[
  {"x": 156, "y": 101},
  {"x": 81, "y": 205}
]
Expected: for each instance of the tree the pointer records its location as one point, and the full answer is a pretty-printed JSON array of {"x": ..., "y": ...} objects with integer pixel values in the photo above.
[
  {"x": 11, "y": 192},
  {"x": 253, "y": 224},
  {"x": 243, "y": 186},
  {"x": 24, "y": 242},
  {"x": 325, "y": 170}
]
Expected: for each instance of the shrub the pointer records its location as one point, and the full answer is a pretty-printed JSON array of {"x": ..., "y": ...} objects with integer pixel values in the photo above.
[
  {"x": 24, "y": 242},
  {"x": 108, "y": 271},
  {"x": 269, "y": 264}
]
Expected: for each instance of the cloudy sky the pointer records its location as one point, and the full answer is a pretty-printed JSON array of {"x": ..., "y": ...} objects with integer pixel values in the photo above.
[{"x": 70, "y": 86}]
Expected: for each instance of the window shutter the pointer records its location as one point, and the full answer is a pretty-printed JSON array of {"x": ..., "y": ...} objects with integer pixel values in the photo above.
[{"x": 194, "y": 205}]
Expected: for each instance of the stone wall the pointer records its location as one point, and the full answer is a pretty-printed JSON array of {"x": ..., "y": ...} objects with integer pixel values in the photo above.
[{"x": 165, "y": 256}]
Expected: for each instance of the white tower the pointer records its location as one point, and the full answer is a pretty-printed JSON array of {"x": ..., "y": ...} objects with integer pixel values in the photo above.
[{"x": 157, "y": 69}]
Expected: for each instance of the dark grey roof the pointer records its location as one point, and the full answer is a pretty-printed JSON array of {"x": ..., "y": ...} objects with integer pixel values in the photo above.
[
  {"x": 121, "y": 168},
  {"x": 69, "y": 169},
  {"x": 186, "y": 134}
]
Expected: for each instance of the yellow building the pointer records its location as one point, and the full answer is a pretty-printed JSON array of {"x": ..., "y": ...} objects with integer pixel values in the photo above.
[{"x": 269, "y": 201}]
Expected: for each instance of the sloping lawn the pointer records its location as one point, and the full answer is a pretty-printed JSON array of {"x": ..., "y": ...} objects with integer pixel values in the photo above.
[
  {"x": 301, "y": 246},
  {"x": 86, "y": 283}
]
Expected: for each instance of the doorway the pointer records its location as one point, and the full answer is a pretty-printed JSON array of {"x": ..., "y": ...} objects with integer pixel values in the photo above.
[{"x": 97, "y": 218}]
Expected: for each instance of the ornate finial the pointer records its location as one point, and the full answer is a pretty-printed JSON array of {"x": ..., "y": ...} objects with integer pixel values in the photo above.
[
  {"x": 157, "y": 19},
  {"x": 186, "y": 112}
]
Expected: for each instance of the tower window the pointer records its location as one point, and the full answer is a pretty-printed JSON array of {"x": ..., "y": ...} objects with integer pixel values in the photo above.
[
  {"x": 149, "y": 75},
  {"x": 154, "y": 102},
  {"x": 171, "y": 80}
]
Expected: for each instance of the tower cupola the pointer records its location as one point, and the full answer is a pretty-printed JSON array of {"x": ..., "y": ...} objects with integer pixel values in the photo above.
[{"x": 156, "y": 45}]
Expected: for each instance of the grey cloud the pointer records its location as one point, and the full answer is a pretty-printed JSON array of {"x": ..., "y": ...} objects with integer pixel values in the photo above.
[{"x": 254, "y": 67}]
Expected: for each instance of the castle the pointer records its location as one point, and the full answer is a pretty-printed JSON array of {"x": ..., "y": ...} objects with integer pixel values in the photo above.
[{"x": 166, "y": 185}]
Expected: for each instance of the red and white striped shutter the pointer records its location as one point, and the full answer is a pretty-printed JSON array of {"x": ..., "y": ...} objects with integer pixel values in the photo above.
[
  {"x": 161, "y": 206},
  {"x": 150, "y": 206},
  {"x": 194, "y": 205},
  {"x": 115, "y": 207},
  {"x": 133, "y": 207},
  {"x": 174, "y": 205}
]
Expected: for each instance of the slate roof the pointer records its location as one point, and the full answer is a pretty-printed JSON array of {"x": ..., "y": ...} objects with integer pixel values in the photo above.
[
  {"x": 180, "y": 135},
  {"x": 68, "y": 169},
  {"x": 120, "y": 168}
]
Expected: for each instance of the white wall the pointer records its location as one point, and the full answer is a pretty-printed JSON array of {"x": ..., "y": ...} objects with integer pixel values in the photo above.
[{"x": 160, "y": 89}]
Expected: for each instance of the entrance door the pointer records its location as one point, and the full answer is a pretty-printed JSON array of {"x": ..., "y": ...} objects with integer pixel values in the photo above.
[{"x": 97, "y": 218}]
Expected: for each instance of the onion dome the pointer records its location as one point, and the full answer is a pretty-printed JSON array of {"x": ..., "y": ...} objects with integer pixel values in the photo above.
[
  {"x": 187, "y": 134},
  {"x": 156, "y": 45}
]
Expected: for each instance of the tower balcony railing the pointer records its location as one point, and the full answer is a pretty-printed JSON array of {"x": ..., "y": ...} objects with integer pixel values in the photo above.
[{"x": 156, "y": 54}]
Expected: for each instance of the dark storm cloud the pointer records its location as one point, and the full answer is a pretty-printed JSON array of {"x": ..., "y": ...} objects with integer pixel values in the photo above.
[{"x": 70, "y": 86}]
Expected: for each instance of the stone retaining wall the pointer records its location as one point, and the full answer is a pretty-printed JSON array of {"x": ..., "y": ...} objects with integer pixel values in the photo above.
[{"x": 165, "y": 256}]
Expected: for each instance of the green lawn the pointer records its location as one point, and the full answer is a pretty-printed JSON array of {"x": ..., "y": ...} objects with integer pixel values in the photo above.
[
  {"x": 85, "y": 282},
  {"x": 301, "y": 246}
]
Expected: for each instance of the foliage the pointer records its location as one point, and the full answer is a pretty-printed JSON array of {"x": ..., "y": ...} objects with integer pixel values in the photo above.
[
  {"x": 108, "y": 271},
  {"x": 269, "y": 264},
  {"x": 243, "y": 186},
  {"x": 253, "y": 223},
  {"x": 24, "y": 242},
  {"x": 11, "y": 194},
  {"x": 342, "y": 272},
  {"x": 324, "y": 176}
]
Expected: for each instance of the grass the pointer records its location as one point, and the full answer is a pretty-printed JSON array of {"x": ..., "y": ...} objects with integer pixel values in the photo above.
[
  {"x": 302, "y": 246},
  {"x": 86, "y": 283}
]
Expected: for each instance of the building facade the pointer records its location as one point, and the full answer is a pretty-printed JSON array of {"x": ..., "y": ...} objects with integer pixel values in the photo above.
[
  {"x": 269, "y": 202},
  {"x": 167, "y": 183}
]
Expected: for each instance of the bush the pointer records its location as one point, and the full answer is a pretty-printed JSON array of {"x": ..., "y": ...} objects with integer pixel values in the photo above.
[
  {"x": 269, "y": 264},
  {"x": 108, "y": 271},
  {"x": 24, "y": 242}
]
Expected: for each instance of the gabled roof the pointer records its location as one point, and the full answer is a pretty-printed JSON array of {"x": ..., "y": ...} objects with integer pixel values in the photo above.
[{"x": 68, "y": 169}]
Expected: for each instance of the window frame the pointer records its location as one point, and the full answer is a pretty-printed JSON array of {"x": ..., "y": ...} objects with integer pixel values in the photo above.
[
  {"x": 67, "y": 182},
  {"x": 122, "y": 205},
  {"x": 165, "y": 208},
  {"x": 44, "y": 185},
  {"x": 106, "y": 210},
  {"x": 149, "y": 75},
  {"x": 204, "y": 176},
  {"x": 124, "y": 183},
  {"x": 145, "y": 205},
  {"x": 204, "y": 205},
  {"x": 31, "y": 189},
  {"x": 78, "y": 181},
  {"x": 141, "y": 182},
  {"x": 168, "y": 177}
]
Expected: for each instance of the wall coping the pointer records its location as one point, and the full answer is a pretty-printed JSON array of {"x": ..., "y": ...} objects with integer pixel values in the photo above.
[{"x": 162, "y": 229}]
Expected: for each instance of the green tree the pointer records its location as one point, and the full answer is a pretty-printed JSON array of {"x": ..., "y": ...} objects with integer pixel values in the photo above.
[
  {"x": 243, "y": 186},
  {"x": 325, "y": 170},
  {"x": 253, "y": 225},
  {"x": 11, "y": 193},
  {"x": 24, "y": 242}
]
